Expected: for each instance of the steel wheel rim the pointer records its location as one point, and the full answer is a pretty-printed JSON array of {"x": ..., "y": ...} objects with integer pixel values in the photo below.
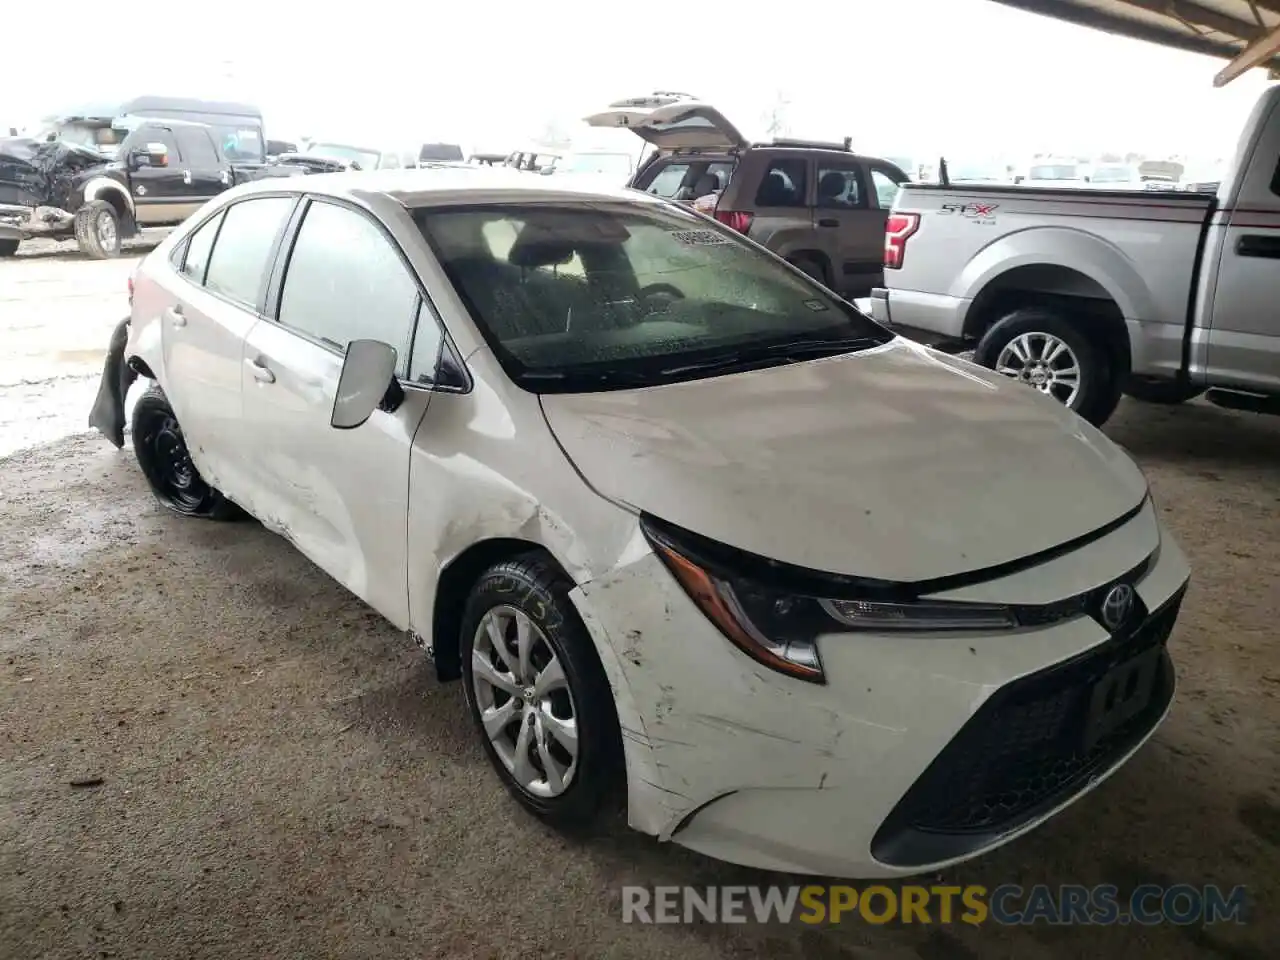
[
  {"x": 525, "y": 704},
  {"x": 1043, "y": 362},
  {"x": 106, "y": 231},
  {"x": 171, "y": 467}
]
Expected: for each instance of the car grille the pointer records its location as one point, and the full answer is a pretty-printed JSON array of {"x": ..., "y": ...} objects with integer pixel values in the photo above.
[{"x": 1024, "y": 752}]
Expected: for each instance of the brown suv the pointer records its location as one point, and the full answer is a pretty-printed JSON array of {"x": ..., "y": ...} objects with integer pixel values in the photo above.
[{"x": 818, "y": 205}]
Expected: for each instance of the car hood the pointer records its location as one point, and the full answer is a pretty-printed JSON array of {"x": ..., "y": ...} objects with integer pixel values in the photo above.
[
  {"x": 36, "y": 173},
  {"x": 897, "y": 463}
]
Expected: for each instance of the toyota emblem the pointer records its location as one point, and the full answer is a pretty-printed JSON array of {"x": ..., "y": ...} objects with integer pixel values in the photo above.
[{"x": 1117, "y": 605}]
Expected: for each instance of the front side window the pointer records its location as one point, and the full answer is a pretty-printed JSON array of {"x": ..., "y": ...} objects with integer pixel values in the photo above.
[
  {"x": 197, "y": 148},
  {"x": 784, "y": 183},
  {"x": 582, "y": 297},
  {"x": 345, "y": 281},
  {"x": 241, "y": 258}
]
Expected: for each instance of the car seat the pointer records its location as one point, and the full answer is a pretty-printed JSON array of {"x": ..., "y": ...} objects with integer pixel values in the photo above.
[
  {"x": 776, "y": 191},
  {"x": 831, "y": 190}
]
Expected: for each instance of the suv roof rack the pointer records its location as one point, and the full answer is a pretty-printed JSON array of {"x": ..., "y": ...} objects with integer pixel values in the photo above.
[{"x": 846, "y": 145}]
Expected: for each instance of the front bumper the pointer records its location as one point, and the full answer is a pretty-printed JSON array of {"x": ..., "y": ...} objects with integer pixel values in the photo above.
[
  {"x": 919, "y": 751},
  {"x": 20, "y": 222}
]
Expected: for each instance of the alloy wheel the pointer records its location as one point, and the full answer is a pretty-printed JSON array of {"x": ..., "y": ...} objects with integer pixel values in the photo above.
[
  {"x": 525, "y": 704},
  {"x": 1044, "y": 362}
]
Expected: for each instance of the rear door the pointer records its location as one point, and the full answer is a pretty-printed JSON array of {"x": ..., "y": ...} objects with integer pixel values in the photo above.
[
  {"x": 849, "y": 209},
  {"x": 218, "y": 284},
  {"x": 158, "y": 191},
  {"x": 339, "y": 495}
]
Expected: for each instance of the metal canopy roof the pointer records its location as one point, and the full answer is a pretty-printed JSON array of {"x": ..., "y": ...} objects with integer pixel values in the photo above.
[{"x": 1246, "y": 32}]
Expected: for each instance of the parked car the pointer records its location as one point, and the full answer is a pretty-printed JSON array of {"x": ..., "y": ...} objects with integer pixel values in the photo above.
[
  {"x": 532, "y": 160},
  {"x": 1162, "y": 296},
  {"x": 818, "y": 205},
  {"x": 680, "y": 519},
  {"x": 159, "y": 173},
  {"x": 440, "y": 153},
  {"x": 278, "y": 148},
  {"x": 1053, "y": 173},
  {"x": 1128, "y": 176},
  {"x": 619, "y": 166}
]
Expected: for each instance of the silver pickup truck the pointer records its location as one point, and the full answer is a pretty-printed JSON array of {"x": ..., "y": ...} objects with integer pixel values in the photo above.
[{"x": 1087, "y": 295}]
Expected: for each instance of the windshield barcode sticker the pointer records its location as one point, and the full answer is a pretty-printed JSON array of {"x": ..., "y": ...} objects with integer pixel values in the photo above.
[
  {"x": 817, "y": 306},
  {"x": 698, "y": 238}
]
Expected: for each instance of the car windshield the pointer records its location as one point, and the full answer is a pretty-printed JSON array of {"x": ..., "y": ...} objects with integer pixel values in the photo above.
[
  {"x": 1112, "y": 175},
  {"x": 1053, "y": 171},
  {"x": 617, "y": 164},
  {"x": 240, "y": 144},
  {"x": 367, "y": 159},
  {"x": 583, "y": 297}
]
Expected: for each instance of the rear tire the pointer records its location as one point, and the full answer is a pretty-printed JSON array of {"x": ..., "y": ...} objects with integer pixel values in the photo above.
[
  {"x": 97, "y": 228},
  {"x": 1041, "y": 346},
  {"x": 1164, "y": 392},
  {"x": 162, "y": 454},
  {"x": 558, "y": 748},
  {"x": 8, "y": 247}
]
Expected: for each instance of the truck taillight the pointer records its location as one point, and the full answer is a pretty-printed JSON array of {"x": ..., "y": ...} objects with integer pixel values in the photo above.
[
  {"x": 735, "y": 219},
  {"x": 897, "y": 231}
]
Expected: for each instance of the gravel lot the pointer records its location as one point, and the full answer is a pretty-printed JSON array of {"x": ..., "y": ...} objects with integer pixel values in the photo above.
[{"x": 281, "y": 776}]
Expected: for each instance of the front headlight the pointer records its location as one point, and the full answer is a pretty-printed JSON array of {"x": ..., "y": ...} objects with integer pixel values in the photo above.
[{"x": 775, "y": 614}]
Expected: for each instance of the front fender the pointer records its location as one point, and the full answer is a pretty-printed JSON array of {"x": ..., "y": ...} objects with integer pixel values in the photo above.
[
  {"x": 1088, "y": 254},
  {"x": 107, "y": 413},
  {"x": 101, "y": 188}
]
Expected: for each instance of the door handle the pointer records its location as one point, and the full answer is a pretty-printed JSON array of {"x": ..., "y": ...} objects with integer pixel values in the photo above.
[
  {"x": 261, "y": 372},
  {"x": 828, "y": 222},
  {"x": 174, "y": 316},
  {"x": 186, "y": 177},
  {"x": 1258, "y": 245}
]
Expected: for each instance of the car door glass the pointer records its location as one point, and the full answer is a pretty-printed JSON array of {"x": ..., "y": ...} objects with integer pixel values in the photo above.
[
  {"x": 667, "y": 182},
  {"x": 148, "y": 135},
  {"x": 198, "y": 249},
  {"x": 784, "y": 183},
  {"x": 197, "y": 149},
  {"x": 346, "y": 281},
  {"x": 886, "y": 189},
  {"x": 840, "y": 188},
  {"x": 241, "y": 258},
  {"x": 427, "y": 340}
]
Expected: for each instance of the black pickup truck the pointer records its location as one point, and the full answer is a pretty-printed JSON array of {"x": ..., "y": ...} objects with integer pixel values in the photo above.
[{"x": 161, "y": 172}]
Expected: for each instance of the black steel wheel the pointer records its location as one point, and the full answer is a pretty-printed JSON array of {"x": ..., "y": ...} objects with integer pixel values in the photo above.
[{"x": 166, "y": 462}]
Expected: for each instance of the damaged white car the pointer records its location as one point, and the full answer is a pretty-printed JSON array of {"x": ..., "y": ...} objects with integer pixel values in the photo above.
[{"x": 819, "y": 599}]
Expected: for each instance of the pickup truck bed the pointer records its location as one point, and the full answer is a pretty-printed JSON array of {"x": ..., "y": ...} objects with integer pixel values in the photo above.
[{"x": 1086, "y": 293}]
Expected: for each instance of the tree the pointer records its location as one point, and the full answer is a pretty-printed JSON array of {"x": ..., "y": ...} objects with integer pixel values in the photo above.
[{"x": 776, "y": 117}]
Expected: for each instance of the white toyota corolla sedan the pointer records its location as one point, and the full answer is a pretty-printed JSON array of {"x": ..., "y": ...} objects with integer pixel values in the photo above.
[{"x": 817, "y": 598}]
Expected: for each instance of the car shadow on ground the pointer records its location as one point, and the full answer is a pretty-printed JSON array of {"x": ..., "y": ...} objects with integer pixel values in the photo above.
[{"x": 1197, "y": 433}]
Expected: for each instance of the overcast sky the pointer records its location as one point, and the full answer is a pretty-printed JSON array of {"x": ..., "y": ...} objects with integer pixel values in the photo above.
[{"x": 903, "y": 77}]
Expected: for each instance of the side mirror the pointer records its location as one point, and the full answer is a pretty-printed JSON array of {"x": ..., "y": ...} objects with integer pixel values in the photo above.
[
  {"x": 367, "y": 373},
  {"x": 151, "y": 155}
]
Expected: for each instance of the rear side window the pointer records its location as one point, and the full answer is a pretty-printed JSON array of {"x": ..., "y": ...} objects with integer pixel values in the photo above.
[
  {"x": 198, "y": 249},
  {"x": 346, "y": 281},
  {"x": 241, "y": 258},
  {"x": 784, "y": 184},
  {"x": 668, "y": 181},
  {"x": 840, "y": 187}
]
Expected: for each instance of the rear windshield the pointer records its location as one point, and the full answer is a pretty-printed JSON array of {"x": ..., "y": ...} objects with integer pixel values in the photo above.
[{"x": 595, "y": 296}]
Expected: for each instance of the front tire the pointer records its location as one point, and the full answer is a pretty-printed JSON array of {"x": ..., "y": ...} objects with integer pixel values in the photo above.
[
  {"x": 97, "y": 228},
  {"x": 811, "y": 268},
  {"x": 1044, "y": 349},
  {"x": 162, "y": 454},
  {"x": 537, "y": 693}
]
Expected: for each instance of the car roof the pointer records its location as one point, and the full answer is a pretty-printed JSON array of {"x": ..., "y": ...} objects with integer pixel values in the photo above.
[{"x": 431, "y": 186}]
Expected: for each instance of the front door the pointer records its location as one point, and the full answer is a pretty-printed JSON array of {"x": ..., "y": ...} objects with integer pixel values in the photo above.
[
  {"x": 1244, "y": 342},
  {"x": 158, "y": 190},
  {"x": 204, "y": 175},
  {"x": 340, "y": 495},
  {"x": 846, "y": 214}
]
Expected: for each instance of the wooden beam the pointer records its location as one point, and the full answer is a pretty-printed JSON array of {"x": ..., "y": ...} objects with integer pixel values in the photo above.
[
  {"x": 1254, "y": 55},
  {"x": 1201, "y": 16}
]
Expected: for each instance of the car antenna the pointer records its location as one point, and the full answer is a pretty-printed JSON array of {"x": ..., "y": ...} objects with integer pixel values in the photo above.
[{"x": 943, "y": 177}]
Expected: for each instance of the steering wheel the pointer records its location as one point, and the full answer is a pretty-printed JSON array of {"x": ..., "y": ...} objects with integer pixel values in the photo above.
[{"x": 663, "y": 290}]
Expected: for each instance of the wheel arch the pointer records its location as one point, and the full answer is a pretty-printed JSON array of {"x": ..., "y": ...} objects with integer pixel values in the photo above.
[
  {"x": 104, "y": 188},
  {"x": 817, "y": 256}
]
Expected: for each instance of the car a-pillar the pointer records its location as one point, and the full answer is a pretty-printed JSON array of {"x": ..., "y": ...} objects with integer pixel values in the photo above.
[{"x": 1056, "y": 331}]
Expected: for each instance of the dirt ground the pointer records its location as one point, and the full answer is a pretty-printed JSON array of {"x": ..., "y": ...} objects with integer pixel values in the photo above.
[{"x": 282, "y": 777}]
